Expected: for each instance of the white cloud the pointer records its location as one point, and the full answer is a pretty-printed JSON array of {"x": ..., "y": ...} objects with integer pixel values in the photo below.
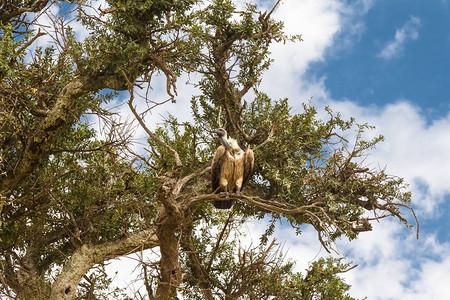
[
  {"x": 408, "y": 32},
  {"x": 432, "y": 282},
  {"x": 318, "y": 21},
  {"x": 393, "y": 265},
  {"x": 414, "y": 148},
  {"x": 327, "y": 27}
]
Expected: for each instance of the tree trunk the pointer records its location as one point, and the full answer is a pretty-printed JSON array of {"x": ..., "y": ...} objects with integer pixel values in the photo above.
[{"x": 168, "y": 226}]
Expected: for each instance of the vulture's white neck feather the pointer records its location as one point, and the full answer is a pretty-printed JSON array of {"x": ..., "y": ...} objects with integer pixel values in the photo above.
[
  {"x": 233, "y": 144},
  {"x": 230, "y": 144}
]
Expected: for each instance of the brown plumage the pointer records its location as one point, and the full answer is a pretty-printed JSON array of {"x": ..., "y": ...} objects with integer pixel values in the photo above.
[{"x": 231, "y": 168}]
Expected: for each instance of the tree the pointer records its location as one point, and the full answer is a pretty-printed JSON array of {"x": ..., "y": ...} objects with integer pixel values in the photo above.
[{"x": 71, "y": 200}]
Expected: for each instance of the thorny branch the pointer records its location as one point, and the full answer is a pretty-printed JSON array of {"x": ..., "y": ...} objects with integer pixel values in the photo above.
[
  {"x": 320, "y": 215},
  {"x": 198, "y": 268},
  {"x": 219, "y": 240}
]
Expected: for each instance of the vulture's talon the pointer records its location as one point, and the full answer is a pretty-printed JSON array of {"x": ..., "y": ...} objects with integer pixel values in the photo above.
[{"x": 224, "y": 194}]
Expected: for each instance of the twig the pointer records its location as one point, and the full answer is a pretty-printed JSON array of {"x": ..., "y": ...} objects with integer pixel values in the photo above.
[
  {"x": 178, "y": 163},
  {"x": 31, "y": 41},
  {"x": 216, "y": 247},
  {"x": 269, "y": 139}
]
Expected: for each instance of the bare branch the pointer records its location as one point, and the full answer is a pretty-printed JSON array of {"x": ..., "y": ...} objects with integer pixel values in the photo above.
[
  {"x": 178, "y": 163},
  {"x": 31, "y": 41},
  {"x": 219, "y": 240}
]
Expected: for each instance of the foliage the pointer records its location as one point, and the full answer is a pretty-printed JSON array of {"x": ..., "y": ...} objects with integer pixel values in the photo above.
[{"x": 73, "y": 197}]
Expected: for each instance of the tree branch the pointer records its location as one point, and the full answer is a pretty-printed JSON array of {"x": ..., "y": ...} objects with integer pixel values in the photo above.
[
  {"x": 37, "y": 143},
  {"x": 181, "y": 182},
  {"x": 31, "y": 41},
  {"x": 7, "y": 13},
  {"x": 171, "y": 77},
  {"x": 178, "y": 163},
  {"x": 269, "y": 205},
  {"x": 198, "y": 271},
  {"x": 65, "y": 285}
]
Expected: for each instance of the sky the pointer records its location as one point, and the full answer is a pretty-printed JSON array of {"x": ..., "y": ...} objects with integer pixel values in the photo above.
[{"x": 385, "y": 63}]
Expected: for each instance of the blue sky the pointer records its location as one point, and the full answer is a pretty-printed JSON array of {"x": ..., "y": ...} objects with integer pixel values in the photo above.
[
  {"x": 418, "y": 71},
  {"x": 386, "y": 63},
  {"x": 415, "y": 69}
]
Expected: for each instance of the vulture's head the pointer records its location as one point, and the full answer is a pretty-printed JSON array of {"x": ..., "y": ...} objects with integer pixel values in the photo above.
[
  {"x": 221, "y": 133},
  {"x": 229, "y": 143}
]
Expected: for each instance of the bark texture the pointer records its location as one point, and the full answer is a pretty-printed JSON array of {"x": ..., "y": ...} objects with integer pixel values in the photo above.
[{"x": 168, "y": 226}]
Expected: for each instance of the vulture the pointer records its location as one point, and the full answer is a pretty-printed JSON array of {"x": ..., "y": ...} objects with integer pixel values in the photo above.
[{"x": 231, "y": 168}]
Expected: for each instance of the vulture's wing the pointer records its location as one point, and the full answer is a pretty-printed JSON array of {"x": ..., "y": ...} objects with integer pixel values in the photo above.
[
  {"x": 215, "y": 168},
  {"x": 215, "y": 178},
  {"x": 249, "y": 161}
]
